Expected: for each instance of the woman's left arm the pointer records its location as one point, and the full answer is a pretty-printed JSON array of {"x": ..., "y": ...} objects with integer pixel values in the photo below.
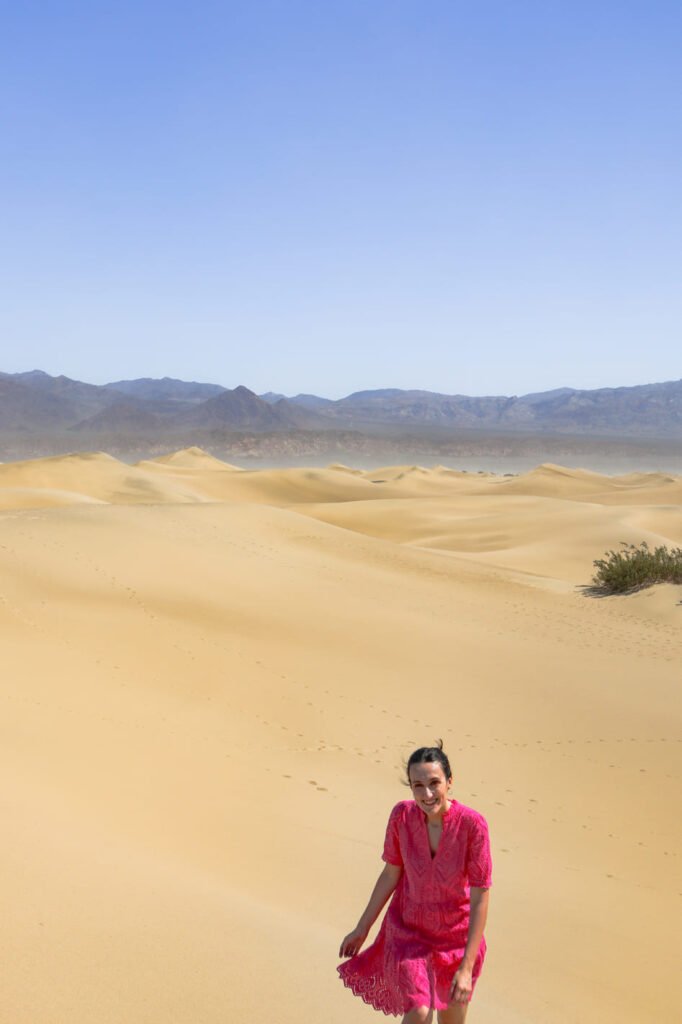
[{"x": 478, "y": 913}]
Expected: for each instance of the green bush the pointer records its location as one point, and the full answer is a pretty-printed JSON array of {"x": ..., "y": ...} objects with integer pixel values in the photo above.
[{"x": 636, "y": 567}]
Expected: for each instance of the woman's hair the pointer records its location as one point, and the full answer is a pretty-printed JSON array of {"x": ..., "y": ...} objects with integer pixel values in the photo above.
[{"x": 429, "y": 755}]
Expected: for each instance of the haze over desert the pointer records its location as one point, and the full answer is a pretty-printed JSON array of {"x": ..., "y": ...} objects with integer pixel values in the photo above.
[{"x": 212, "y": 677}]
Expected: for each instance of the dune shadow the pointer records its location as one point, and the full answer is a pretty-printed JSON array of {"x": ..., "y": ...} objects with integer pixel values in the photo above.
[
  {"x": 594, "y": 591},
  {"x": 591, "y": 590}
]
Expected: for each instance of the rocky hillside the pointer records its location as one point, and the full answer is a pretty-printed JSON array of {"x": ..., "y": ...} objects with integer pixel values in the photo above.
[{"x": 34, "y": 402}]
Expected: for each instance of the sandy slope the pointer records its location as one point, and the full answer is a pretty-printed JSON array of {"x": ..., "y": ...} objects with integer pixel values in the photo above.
[{"x": 210, "y": 679}]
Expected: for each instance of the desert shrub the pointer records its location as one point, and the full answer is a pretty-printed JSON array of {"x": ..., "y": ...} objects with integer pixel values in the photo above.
[{"x": 635, "y": 567}]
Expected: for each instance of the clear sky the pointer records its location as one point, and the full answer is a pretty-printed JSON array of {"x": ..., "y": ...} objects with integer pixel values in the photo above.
[{"x": 468, "y": 196}]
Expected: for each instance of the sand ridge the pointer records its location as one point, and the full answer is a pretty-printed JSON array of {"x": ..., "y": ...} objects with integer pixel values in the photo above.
[
  {"x": 208, "y": 694},
  {"x": 193, "y": 475}
]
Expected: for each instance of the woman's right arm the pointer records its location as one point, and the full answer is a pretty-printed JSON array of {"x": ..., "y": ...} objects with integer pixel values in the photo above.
[{"x": 385, "y": 884}]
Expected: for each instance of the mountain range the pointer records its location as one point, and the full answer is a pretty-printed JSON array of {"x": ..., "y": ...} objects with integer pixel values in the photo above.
[{"x": 35, "y": 402}]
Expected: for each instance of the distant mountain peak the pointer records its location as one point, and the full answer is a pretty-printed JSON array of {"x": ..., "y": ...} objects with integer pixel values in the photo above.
[
  {"x": 271, "y": 396},
  {"x": 168, "y": 389}
]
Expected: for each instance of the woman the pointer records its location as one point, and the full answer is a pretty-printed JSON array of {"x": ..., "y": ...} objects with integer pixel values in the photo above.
[{"x": 430, "y": 948}]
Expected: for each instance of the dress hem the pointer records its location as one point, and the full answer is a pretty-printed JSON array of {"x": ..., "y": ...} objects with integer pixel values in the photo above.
[
  {"x": 366, "y": 996},
  {"x": 351, "y": 983}
]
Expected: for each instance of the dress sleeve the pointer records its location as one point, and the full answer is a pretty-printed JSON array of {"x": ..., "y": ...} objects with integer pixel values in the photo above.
[
  {"x": 392, "y": 854},
  {"x": 479, "y": 861}
]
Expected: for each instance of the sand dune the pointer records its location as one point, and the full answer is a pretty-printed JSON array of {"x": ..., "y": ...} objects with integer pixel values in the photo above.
[
  {"x": 192, "y": 475},
  {"x": 190, "y": 458},
  {"x": 187, "y": 476},
  {"x": 87, "y": 475},
  {"x": 211, "y": 677},
  {"x": 581, "y": 484},
  {"x": 558, "y": 539}
]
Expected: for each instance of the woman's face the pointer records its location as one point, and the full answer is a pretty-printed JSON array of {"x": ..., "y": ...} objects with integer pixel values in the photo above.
[{"x": 429, "y": 787}]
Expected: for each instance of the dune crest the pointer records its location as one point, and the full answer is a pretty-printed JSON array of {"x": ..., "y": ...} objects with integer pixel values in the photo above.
[{"x": 191, "y": 458}]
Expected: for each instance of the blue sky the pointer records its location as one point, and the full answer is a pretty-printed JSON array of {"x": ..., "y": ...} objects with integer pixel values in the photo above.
[{"x": 478, "y": 198}]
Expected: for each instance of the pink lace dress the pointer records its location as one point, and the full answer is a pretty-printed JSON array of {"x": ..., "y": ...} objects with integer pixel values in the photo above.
[{"x": 422, "y": 937}]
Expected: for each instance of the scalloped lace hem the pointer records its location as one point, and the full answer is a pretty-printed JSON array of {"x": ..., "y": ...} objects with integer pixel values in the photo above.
[
  {"x": 374, "y": 991},
  {"x": 371, "y": 994}
]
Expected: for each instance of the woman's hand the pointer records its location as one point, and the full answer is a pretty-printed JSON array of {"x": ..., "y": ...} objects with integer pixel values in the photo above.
[
  {"x": 353, "y": 942},
  {"x": 461, "y": 988}
]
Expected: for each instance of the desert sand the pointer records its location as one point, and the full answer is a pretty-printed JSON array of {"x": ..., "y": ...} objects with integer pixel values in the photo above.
[{"x": 211, "y": 677}]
